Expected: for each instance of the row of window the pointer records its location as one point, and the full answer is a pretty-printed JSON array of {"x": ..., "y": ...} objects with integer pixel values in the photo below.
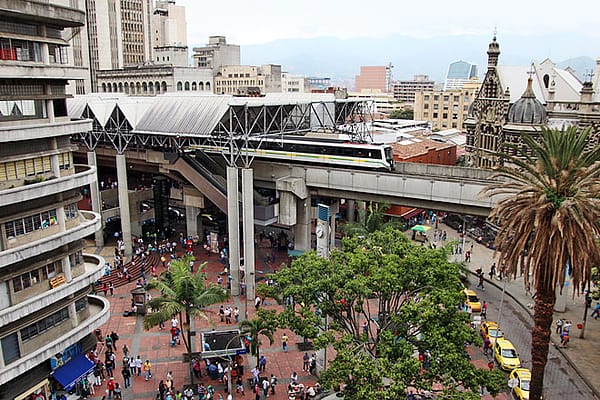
[
  {"x": 32, "y": 278},
  {"x": 186, "y": 86},
  {"x": 43, "y": 325},
  {"x": 26, "y": 50},
  {"x": 246, "y": 82},
  {"x": 22, "y": 169},
  {"x": 30, "y": 223}
]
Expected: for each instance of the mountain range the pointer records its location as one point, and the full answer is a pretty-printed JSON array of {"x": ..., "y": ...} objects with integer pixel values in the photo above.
[{"x": 340, "y": 59}]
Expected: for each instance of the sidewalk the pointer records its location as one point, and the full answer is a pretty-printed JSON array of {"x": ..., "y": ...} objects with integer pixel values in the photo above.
[{"x": 582, "y": 354}]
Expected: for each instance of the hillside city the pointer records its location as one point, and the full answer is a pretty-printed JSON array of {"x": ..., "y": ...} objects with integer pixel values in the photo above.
[{"x": 177, "y": 225}]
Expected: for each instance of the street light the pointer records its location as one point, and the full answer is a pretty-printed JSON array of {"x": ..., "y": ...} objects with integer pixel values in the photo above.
[{"x": 505, "y": 279}]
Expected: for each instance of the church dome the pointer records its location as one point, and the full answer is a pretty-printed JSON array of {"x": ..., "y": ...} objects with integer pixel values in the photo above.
[{"x": 527, "y": 110}]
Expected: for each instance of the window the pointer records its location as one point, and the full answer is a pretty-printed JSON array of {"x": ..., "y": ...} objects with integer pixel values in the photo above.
[
  {"x": 435, "y": 115},
  {"x": 30, "y": 223},
  {"x": 426, "y": 97},
  {"x": 71, "y": 211},
  {"x": 456, "y": 98},
  {"x": 43, "y": 325},
  {"x": 10, "y": 348},
  {"x": 445, "y": 115},
  {"x": 426, "y": 106},
  {"x": 81, "y": 304}
]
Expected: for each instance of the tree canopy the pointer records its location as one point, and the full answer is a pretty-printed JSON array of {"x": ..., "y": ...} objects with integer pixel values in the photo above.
[{"x": 408, "y": 295}]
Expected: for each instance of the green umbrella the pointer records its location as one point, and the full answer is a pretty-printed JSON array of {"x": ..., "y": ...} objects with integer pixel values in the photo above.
[{"x": 421, "y": 228}]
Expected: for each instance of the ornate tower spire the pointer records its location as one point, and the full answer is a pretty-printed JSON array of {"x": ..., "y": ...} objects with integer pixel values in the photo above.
[{"x": 493, "y": 52}]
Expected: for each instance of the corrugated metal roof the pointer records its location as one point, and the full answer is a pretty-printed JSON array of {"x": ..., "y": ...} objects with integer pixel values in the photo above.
[{"x": 184, "y": 114}]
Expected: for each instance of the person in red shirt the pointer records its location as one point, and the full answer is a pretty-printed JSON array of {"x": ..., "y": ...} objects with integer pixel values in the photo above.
[{"x": 110, "y": 387}]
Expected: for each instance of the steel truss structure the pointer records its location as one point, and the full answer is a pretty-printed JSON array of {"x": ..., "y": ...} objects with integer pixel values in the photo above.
[{"x": 240, "y": 123}]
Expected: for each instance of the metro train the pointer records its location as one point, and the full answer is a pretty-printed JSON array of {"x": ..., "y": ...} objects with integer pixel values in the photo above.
[{"x": 317, "y": 151}]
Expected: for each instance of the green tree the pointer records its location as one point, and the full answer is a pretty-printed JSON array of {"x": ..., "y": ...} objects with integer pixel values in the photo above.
[
  {"x": 263, "y": 324},
  {"x": 182, "y": 294},
  {"x": 550, "y": 212},
  {"x": 402, "y": 114},
  {"x": 370, "y": 219},
  {"x": 409, "y": 294}
]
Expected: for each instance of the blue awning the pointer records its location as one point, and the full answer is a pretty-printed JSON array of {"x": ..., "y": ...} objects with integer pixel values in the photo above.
[{"x": 71, "y": 372}]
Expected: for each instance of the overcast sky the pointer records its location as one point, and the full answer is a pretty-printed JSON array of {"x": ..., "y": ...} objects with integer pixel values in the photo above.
[{"x": 246, "y": 22}]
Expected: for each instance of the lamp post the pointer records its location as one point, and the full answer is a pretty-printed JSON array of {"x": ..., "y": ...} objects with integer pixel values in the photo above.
[
  {"x": 586, "y": 307},
  {"x": 229, "y": 385},
  {"x": 505, "y": 279}
]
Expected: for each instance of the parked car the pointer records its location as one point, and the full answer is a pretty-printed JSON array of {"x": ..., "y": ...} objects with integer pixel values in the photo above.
[
  {"x": 489, "y": 330},
  {"x": 519, "y": 380},
  {"x": 471, "y": 300},
  {"x": 506, "y": 355}
]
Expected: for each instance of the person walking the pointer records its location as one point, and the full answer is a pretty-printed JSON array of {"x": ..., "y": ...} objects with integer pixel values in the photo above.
[
  {"x": 596, "y": 312},
  {"x": 147, "y": 369},
  {"x": 273, "y": 383},
  {"x": 265, "y": 386},
  {"x": 138, "y": 365},
  {"x": 262, "y": 363},
  {"x": 559, "y": 325},
  {"x": 305, "y": 362},
  {"x": 111, "y": 288},
  {"x": 126, "y": 376},
  {"x": 284, "y": 340},
  {"x": 492, "y": 271},
  {"x": 236, "y": 314}
]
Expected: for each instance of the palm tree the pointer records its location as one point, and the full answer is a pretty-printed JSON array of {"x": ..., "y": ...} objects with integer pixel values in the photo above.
[
  {"x": 183, "y": 294},
  {"x": 550, "y": 212},
  {"x": 265, "y": 324},
  {"x": 370, "y": 220}
]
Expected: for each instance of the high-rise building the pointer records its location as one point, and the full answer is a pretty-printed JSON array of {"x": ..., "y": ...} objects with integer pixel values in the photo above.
[
  {"x": 170, "y": 27},
  {"x": 119, "y": 34},
  {"x": 216, "y": 54},
  {"x": 47, "y": 314},
  {"x": 459, "y": 73},
  {"x": 372, "y": 78}
]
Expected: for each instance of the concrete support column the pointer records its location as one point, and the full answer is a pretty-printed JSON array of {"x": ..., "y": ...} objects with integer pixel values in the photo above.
[
  {"x": 73, "y": 315},
  {"x": 233, "y": 228},
  {"x": 248, "y": 215},
  {"x": 96, "y": 199},
  {"x": 66, "y": 267},
  {"x": 54, "y": 163},
  {"x": 191, "y": 221},
  {"x": 124, "y": 203},
  {"x": 302, "y": 227},
  {"x": 350, "y": 204},
  {"x": 334, "y": 208}
]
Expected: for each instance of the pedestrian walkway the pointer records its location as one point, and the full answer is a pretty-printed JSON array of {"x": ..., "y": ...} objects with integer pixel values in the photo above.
[
  {"x": 154, "y": 344},
  {"x": 581, "y": 353}
]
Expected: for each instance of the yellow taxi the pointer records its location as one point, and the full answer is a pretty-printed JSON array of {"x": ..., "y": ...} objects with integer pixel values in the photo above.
[
  {"x": 471, "y": 300},
  {"x": 489, "y": 330},
  {"x": 518, "y": 381},
  {"x": 506, "y": 355}
]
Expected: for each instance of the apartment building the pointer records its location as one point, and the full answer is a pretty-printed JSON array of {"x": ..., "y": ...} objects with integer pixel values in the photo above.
[
  {"x": 47, "y": 314},
  {"x": 248, "y": 79},
  {"x": 405, "y": 90},
  {"x": 446, "y": 109}
]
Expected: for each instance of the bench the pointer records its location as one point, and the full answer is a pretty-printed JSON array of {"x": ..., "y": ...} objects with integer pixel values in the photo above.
[{"x": 57, "y": 281}]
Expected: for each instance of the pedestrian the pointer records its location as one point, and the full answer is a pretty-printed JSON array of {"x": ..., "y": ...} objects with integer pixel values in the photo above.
[
  {"x": 115, "y": 337},
  {"x": 147, "y": 369},
  {"x": 126, "y": 376},
  {"x": 294, "y": 378},
  {"x": 110, "y": 387},
  {"x": 239, "y": 385},
  {"x": 255, "y": 374},
  {"x": 197, "y": 368},
  {"x": 559, "y": 325},
  {"x": 126, "y": 351},
  {"x": 171, "y": 383},
  {"x": 305, "y": 362},
  {"x": 262, "y": 363},
  {"x": 109, "y": 342},
  {"x": 564, "y": 340},
  {"x": 257, "y": 302},
  {"x": 468, "y": 256},
  {"x": 222, "y": 312},
  {"x": 486, "y": 346},
  {"x": 492, "y": 271},
  {"x": 313, "y": 364},
  {"x": 111, "y": 288},
  {"x": 484, "y": 308},
  {"x": 265, "y": 386},
  {"x": 138, "y": 365},
  {"x": 273, "y": 383},
  {"x": 236, "y": 314},
  {"x": 596, "y": 311},
  {"x": 105, "y": 289},
  {"x": 228, "y": 315},
  {"x": 132, "y": 366},
  {"x": 284, "y": 342}
]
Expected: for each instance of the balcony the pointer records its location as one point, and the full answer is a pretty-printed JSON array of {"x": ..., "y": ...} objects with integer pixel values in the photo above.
[
  {"x": 37, "y": 70},
  {"x": 84, "y": 175},
  {"x": 99, "y": 314},
  {"x": 43, "y": 11},
  {"x": 64, "y": 127},
  {"x": 89, "y": 226},
  {"x": 93, "y": 267}
]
